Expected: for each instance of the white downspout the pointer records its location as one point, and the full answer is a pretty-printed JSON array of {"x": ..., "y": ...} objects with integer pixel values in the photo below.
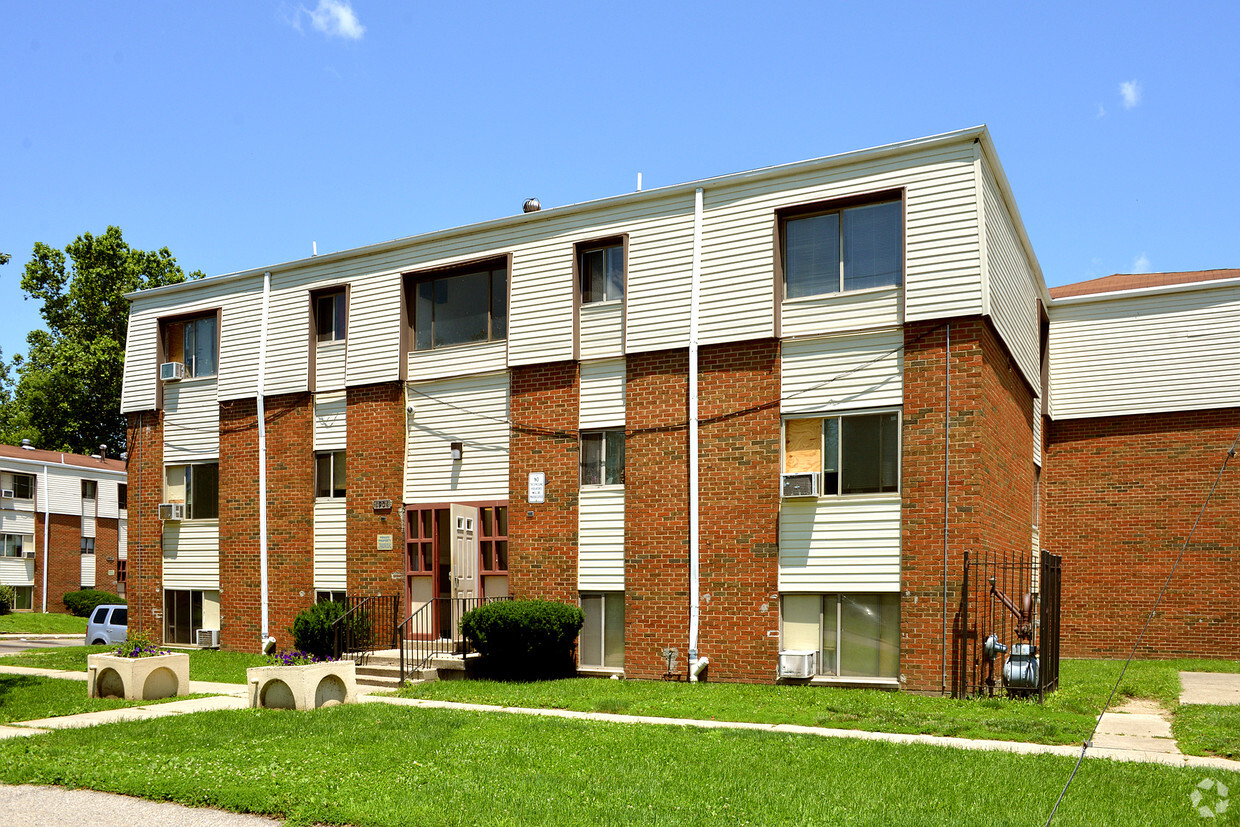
[
  {"x": 262, "y": 458},
  {"x": 695, "y": 667},
  {"x": 47, "y": 523}
]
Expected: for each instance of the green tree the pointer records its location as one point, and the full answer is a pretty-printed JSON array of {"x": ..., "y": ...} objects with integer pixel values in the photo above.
[{"x": 67, "y": 393}]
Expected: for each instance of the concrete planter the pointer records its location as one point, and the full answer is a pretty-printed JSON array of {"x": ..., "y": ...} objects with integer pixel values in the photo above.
[
  {"x": 302, "y": 687},
  {"x": 137, "y": 679}
]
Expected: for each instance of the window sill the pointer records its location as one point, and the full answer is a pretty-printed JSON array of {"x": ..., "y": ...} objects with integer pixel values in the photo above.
[
  {"x": 890, "y": 496},
  {"x": 605, "y": 303},
  {"x": 341, "y": 498},
  {"x": 604, "y": 487},
  {"x": 192, "y": 381},
  {"x": 865, "y": 291},
  {"x": 461, "y": 346},
  {"x": 891, "y": 684},
  {"x": 600, "y": 672}
]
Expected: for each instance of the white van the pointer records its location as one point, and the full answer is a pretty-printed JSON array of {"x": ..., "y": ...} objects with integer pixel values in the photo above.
[{"x": 107, "y": 624}]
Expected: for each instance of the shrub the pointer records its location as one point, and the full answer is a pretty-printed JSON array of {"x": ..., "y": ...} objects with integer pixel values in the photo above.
[
  {"x": 8, "y": 596},
  {"x": 84, "y": 602},
  {"x": 524, "y": 638},
  {"x": 312, "y": 628}
]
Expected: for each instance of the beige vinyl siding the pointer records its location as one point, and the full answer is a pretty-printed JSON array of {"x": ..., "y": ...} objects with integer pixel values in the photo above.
[
  {"x": 191, "y": 420},
  {"x": 88, "y": 526},
  {"x": 1170, "y": 351},
  {"x": 740, "y": 233},
  {"x": 602, "y": 329},
  {"x": 602, "y": 394},
  {"x": 841, "y": 312},
  {"x": 600, "y": 539},
  {"x": 16, "y": 522},
  {"x": 863, "y": 370},
  {"x": 330, "y": 428},
  {"x": 240, "y": 328},
  {"x": 287, "y": 367},
  {"x": 1013, "y": 286},
  {"x": 840, "y": 544},
  {"x": 540, "y": 302},
  {"x": 461, "y": 360},
  {"x": 374, "y": 326},
  {"x": 16, "y": 571},
  {"x": 140, "y": 376},
  {"x": 330, "y": 570},
  {"x": 191, "y": 554},
  {"x": 105, "y": 505},
  {"x": 122, "y": 539},
  {"x": 87, "y": 570},
  {"x": 1037, "y": 430},
  {"x": 659, "y": 266},
  {"x": 329, "y": 365},
  {"x": 472, "y": 410},
  {"x": 64, "y": 491}
]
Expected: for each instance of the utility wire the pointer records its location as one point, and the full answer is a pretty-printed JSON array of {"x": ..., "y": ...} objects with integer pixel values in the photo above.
[{"x": 1085, "y": 745}]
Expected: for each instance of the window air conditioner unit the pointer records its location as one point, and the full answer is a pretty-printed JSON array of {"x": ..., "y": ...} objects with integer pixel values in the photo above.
[
  {"x": 171, "y": 371},
  {"x": 171, "y": 511},
  {"x": 798, "y": 663},
  {"x": 29, "y": 555},
  {"x": 208, "y": 638},
  {"x": 7, "y": 493},
  {"x": 799, "y": 485}
]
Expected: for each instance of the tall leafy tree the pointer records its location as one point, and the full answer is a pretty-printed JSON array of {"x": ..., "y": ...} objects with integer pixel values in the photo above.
[{"x": 67, "y": 393}]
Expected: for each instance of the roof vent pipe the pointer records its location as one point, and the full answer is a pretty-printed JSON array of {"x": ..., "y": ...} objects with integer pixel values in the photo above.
[
  {"x": 531, "y": 205},
  {"x": 27, "y": 445}
]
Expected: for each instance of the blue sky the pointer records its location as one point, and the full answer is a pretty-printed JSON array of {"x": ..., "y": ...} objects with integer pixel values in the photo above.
[{"x": 238, "y": 133}]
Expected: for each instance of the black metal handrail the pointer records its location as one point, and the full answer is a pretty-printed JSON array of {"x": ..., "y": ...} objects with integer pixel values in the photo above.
[
  {"x": 357, "y": 632},
  {"x": 434, "y": 629}
]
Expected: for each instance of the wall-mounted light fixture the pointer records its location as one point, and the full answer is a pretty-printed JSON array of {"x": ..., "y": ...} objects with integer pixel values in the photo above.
[{"x": 457, "y": 449}]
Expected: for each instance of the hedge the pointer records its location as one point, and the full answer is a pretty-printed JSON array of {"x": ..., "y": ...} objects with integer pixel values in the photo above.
[
  {"x": 524, "y": 638},
  {"x": 83, "y": 602}
]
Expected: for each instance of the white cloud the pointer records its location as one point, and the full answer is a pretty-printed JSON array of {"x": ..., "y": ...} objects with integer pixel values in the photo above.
[
  {"x": 334, "y": 18},
  {"x": 1102, "y": 111},
  {"x": 1141, "y": 264},
  {"x": 1130, "y": 91}
]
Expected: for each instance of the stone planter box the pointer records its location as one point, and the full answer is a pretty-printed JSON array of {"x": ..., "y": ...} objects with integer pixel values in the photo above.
[
  {"x": 302, "y": 687},
  {"x": 137, "y": 679}
]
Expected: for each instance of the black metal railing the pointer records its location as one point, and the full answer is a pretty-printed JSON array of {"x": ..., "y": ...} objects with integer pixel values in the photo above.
[
  {"x": 434, "y": 629},
  {"x": 368, "y": 624},
  {"x": 1048, "y": 588}
]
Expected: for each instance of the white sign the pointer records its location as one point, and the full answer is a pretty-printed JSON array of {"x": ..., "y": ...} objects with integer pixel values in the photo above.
[
  {"x": 538, "y": 487},
  {"x": 385, "y": 542}
]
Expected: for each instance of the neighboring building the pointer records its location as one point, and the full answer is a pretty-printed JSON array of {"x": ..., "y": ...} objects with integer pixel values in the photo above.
[
  {"x": 63, "y": 523},
  {"x": 510, "y": 408}
]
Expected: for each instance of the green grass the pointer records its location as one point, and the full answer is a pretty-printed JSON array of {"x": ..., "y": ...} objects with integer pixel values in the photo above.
[
  {"x": 29, "y": 698},
  {"x": 1208, "y": 730},
  {"x": 204, "y": 664},
  {"x": 40, "y": 623},
  {"x": 375, "y": 764},
  {"x": 1067, "y": 716}
]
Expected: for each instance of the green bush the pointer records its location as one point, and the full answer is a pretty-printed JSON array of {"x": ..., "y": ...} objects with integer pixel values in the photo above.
[
  {"x": 7, "y": 597},
  {"x": 524, "y": 638},
  {"x": 84, "y": 602},
  {"x": 312, "y": 628}
]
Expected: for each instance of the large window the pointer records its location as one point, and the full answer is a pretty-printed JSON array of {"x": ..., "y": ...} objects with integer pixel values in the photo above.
[
  {"x": 198, "y": 486},
  {"x": 193, "y": 342},
  {"x": 331, "y": 316},
  {"x": 601, "y": 267},
  {"x": 23, "y": 598},
  {"x": 850, "y": 248},
  {"x": 16, "y": 545},
  {"x": 602, "y": 458},
  {"x": 602, "y": 636},
  {"x": 857, "y": 454},
  {"x": 329, "y": 474},
  {"x": 459, "y": 308},
  {"x": 22, "y": 485},
  {"x": 855, "y": 635},
  {"x": 182, "y": 616}
]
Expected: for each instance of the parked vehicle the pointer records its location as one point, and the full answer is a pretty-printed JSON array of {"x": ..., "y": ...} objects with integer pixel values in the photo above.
[{"x": 108, "y": 624}]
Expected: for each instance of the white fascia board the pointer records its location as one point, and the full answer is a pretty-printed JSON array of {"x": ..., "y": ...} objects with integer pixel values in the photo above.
[
  {"x": 1137, "y": 292},
  {"x": 10, "y": 464}
]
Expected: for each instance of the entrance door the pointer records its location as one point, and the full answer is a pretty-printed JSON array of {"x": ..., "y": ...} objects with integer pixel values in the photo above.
[{"x": 465, "y": 585}]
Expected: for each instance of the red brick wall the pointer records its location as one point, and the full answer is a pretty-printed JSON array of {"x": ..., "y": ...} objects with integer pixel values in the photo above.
[
  {"x": 144, "y": 592},
  {"x": 543, "y": 536},
  {"x": 374, "y": 470},
  {"x": 989, "y": 481},
  {"x": 64, "y": 569},
  {"x": 738, "y": 466},
  {"x": 1120, "y": 497},
  {"x": 106, "y": 537}
]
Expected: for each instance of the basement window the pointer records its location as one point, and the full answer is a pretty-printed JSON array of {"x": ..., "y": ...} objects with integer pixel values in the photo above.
[
  {"x": 855, "y": 635},
  {"x": 602, "y": 636}
]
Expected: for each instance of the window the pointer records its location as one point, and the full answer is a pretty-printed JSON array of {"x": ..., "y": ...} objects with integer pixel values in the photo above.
[
  {"x": 22, "y": 485},
  {"x": 329, "y": 474},
  {"x": 23, "y": 598},
  {"x": 602, "y": 458},
  {"x": 88, "y": 545},
  {"x": 458, "y": 308},
  {"x": 602, "y": 636},
  {"x": 493, "y": 538},
  {"x": 329, "y": 597},
  {"x": 182, "y": 616},
  {"x": 855, "y": 635},
  {"x": 601, "y": 266},
  {"x": 122, "y": 495},
  {"x": 122, "y": 573},
  {"x": 90, "y": 488},
  {"x": 192, "y": 342},
  {"x": 858, "y": 454},
  {"x": 849, "y": 248},
  {"x": 15, "y": 545},
  {"x": 198, "y": 486},
  {"x": 331, "y": 316}
]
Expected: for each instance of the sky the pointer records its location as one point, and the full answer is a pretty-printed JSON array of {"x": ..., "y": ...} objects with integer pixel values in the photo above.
[{"x": 238, "y": 134}]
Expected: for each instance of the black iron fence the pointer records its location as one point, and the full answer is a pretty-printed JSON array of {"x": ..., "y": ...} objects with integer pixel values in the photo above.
[
  {"x": 433, "y": 630},
  {"x": 368, "y": 624},
  {"x": 1007, "y": 636}
]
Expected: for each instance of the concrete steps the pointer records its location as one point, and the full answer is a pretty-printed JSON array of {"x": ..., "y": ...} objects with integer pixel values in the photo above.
[{"x": 381, "y": 670}]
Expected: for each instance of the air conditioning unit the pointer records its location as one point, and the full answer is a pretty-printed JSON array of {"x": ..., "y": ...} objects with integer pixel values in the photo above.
[
  {"x": 171, "y": 371},
  {"x": 171, "y": 512},
  {"x": 7, "y": 493},
  {"x": 799, "y": 485},
  {"x": 208, "y": 638},
  {"x": 29, "y": 555},
  {"x": 798, "y": 663}
]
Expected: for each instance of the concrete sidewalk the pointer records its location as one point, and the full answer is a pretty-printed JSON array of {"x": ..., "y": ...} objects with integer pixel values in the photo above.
[{"x": 58, "y": 807}]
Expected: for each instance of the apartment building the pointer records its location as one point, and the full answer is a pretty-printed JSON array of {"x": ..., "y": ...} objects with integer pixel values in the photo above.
[
  {"x": 63, "y": 518},
  {"x": 765, "y": 411}
]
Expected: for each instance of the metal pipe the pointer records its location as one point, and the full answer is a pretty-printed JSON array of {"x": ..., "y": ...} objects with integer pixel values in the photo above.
[
  {"x": 694, "y": 515},
  {"x": 947, "y": 455},
  {"x": 47, "y": 523},
  {"x": 261, "y": 411}
]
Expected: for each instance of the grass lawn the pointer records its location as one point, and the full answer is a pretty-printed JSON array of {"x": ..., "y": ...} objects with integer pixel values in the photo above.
[
  {"x": 374, "y": 764},
  {"x": 40, "y": 623},
  {"x": 1208, "y": 730},
  {"x": 29, "y": 698},
  {"x": 204, "y": 664},
  {"x": 1066, "y": 718}
]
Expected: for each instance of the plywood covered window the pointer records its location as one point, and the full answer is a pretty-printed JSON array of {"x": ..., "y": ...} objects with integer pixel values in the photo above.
[
  {"x": 194, "y": 343},
  {"x": 855, "y": 454},
  {"x": 849, "y": 247}
]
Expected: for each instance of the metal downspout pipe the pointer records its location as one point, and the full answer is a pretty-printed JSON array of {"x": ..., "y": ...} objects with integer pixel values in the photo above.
[
  {"x": 47, "y": 522},
  {"x": 695, "y": 665},
  {"x": 259, "y": 392},
  {"x": 947, "y": 454}
]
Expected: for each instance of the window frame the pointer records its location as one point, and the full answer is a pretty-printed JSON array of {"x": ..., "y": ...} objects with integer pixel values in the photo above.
[
  {"x": 583, "y": 248},
  {"x": 189, "y": 488},
  {"x": 88, "y": 545},
  {"x": 29, "y": 481},
  {"x": 837, "y": 599},
  {"x": 166, "y": 327},
  {"x": 122, "y": 496},
  {"x": 193, "y": 630},
  {"x": 608, "y": 434},
  {"x": 14, "y": 545},
  {"x": 90, "y": 489},
  {"x": 339, "y": 331},
  {"x": 839, "y": 472},
  {"x": 838, "y": 206},
  {"x": 333, "y": 458},
  {"x": 606, "y": 599},
  {"x": 413, "y": 281}
]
